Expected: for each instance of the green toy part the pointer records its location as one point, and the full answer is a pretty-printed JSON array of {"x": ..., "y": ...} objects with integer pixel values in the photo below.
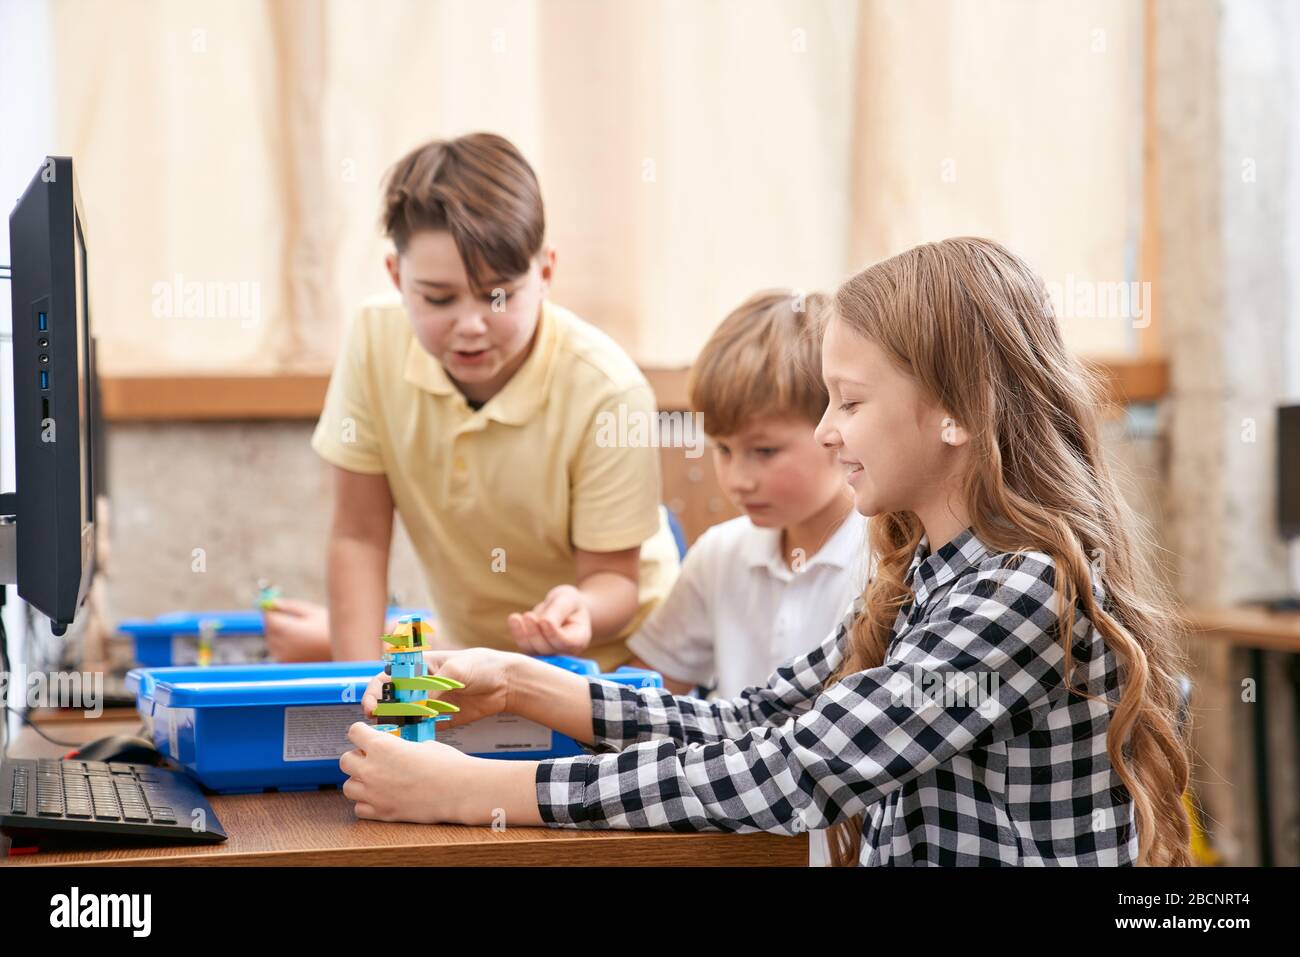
[
  {"x": 442, "y": 707},
  {"x": 426, "y": 682},
  {"x": 429, "y": 708}
]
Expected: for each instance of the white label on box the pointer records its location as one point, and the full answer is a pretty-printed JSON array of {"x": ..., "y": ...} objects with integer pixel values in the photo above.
[
  {"x": 319, "y": 732},
  {"x": 226, "y": 650},
  {"x": 497, "y": 734}
]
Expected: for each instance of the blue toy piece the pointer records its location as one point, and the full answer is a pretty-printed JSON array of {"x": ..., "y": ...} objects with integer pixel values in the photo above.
[
  {"x": 405, "y": 664},
  {"x": 423, "y": 731},
  {"x": 410, "y": 712}
]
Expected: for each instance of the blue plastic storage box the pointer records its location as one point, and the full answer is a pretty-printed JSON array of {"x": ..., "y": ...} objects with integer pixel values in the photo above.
[
  {"x": 173, "y": 638},
  {"x": 239, "y": 636},
  {"x": 242, "y": 728}
]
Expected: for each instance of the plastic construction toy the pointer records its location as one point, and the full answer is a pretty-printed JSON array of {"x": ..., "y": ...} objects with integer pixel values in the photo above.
[
  {"x": 207, "y": 636},
  {"x": 267, "y": 594},
  {"x": 407, "y": 710}
]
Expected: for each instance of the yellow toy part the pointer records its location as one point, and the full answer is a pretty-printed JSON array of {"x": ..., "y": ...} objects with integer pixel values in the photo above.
[{"x": 410, "y": 635}]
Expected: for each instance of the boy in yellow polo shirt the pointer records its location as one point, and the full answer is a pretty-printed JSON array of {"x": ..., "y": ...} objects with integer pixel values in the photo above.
[{"x": 472, "y": 405}]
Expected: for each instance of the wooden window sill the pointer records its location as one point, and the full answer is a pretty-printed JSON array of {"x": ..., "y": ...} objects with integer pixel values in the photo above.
[{"x": 299, "y": 395}]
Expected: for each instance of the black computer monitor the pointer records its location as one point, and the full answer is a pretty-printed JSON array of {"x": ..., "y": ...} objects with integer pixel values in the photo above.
[
  {"x": 1288, "y": 471},
  {"x": 54, "y": 501}
]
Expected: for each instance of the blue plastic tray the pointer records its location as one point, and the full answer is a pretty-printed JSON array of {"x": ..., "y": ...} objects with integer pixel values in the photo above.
[
  {"x": 155, "y": 638},
  {"x": 241, "y": 728}
]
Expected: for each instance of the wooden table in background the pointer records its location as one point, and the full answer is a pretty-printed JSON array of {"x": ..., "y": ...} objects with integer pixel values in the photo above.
[
  {"x": 319, "y": 828},
  {"x": 1258, "y": 630}
]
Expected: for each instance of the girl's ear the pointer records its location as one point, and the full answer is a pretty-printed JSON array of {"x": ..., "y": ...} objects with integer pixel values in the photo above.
[
  {"x": 390, "y": 263},
  {"x": 950, "y": 433}
]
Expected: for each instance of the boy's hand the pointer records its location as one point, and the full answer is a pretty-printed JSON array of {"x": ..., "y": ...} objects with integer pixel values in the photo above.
[
  {"x": 560, "y": 625},
  {"x": 297, "y": 631}
]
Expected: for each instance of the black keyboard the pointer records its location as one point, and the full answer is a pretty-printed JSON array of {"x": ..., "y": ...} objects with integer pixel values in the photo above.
[{"x": 60, "y": 799}]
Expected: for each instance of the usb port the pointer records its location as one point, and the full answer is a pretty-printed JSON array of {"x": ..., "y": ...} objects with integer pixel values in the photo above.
[
  {"x": 45, "y": 379},
  {"x": 41, "y": 322}
]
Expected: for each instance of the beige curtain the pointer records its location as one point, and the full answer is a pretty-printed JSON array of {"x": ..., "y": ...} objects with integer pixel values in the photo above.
[
  {"x": 230, "y": 153},
  {"x": 1019, "y": 120}
]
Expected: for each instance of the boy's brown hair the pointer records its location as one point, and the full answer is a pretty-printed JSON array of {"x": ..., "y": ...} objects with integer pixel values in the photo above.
[
  {"x": 764, "y": 359},
  {"x": 480, "y": 189}
]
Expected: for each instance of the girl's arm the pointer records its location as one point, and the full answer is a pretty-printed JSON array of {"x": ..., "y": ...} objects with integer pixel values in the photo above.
[
  {"x": 862, "y": 738},
  {"x": 612, "y": 716}
]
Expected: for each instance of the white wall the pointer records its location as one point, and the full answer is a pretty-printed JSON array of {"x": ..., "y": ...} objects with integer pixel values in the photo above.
[
  {"x": 1291, "y": 338},
  {"x": 1291, "y": 342}
]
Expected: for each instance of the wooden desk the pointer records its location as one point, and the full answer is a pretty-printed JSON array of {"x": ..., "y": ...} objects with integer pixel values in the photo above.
[
  {"x": 319, "y": 828},
  {"x": 1248, "y": 627},
  {"x": 1258, "y": 630}
]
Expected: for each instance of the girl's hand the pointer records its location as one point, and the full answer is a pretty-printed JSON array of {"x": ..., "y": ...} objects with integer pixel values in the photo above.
[
  {"x": 394, "y": 780},
  {"x": 560, "y": 625},
  {"x": 484, "y": 672},
  {"x": 433, "y": 783}
]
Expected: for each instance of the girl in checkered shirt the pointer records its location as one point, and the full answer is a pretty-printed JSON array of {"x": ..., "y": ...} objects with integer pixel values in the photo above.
[{"x": 1004, "y": 692}]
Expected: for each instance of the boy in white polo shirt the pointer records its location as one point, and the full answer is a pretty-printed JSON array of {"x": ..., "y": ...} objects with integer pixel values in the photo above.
[
  {"x": 758, "y": 590},
  {"x": 761, "y": 589},
  {"x": 469, "y": 404}
]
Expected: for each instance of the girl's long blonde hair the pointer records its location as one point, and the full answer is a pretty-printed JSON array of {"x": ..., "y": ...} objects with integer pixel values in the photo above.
[{"x": 975, "y": 326}]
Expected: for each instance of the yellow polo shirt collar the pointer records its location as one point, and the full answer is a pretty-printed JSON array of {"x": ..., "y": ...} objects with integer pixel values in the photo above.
[{"x": 522, "y": 396}]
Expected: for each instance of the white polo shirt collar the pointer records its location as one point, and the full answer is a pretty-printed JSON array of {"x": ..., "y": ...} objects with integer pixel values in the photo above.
[{"x": 762, "y": 548}]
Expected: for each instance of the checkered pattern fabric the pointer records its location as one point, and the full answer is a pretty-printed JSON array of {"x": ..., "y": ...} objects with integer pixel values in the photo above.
[{"x": 964, "y": 747}]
